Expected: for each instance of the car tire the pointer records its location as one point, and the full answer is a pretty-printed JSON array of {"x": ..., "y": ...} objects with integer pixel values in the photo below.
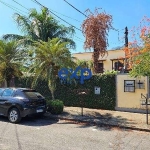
[{"x": 14, "y": 115}]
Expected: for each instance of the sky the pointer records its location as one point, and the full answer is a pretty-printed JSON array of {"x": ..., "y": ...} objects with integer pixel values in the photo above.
[{"x": 124, "y": 13}]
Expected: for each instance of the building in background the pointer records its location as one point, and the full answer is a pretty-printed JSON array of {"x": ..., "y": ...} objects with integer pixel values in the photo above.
[{"x": 113, "y": 60}]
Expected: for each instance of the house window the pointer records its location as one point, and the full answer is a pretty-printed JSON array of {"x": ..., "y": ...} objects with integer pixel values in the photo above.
[
  {"x": 129, "y": 85},
  {"x": 100, "y": 67},
  {"x": 118, "y": 66}
]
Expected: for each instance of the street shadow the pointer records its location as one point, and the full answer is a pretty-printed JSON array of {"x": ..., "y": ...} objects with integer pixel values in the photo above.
[
  {"x": 4, "y": 119},
  {"x": 33, "y": 121},
  {"x": 37, "y": 121},
  {"x": 105, "y": 122}
]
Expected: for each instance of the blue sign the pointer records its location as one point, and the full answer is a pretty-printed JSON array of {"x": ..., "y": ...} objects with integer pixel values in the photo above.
[{"x": 70, "y": 74}]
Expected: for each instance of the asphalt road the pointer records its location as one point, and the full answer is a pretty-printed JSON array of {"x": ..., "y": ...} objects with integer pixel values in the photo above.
[{"x": 45, "y": 134}]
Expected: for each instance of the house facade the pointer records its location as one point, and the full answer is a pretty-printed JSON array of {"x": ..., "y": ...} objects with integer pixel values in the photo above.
[
  {"x": 113, "y": 60},
  {"x": 129, "y": 90}
]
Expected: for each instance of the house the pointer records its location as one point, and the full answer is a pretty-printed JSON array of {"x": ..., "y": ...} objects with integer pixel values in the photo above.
[
  {"x": 113, "y": 60},
  {"x": 128, "y": 89}
]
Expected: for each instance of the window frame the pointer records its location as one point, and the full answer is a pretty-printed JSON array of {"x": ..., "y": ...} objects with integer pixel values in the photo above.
[{"x": 128, "y": 87}]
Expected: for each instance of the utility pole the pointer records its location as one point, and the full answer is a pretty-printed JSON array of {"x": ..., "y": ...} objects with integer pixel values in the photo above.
[
  {"x": 126, "y": 46},
  {"x": 126, "y": 37}
]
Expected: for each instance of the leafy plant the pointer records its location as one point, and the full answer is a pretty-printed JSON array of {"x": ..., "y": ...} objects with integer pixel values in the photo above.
[
  {"x": 50, "y": 57},
  {"x": 40, "y": 26},
  {"x": 55, "y": 106},
  {"x": 11, "y": 57},
  {"x": 65, "y": 92}
]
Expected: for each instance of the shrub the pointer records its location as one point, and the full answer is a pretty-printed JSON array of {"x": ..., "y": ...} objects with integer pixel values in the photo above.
[
  {"x": 55, "y": 106},
  {"x": 64, "y": 92}
]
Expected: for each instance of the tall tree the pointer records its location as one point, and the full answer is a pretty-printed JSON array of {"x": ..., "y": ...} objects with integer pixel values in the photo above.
[
  {"x": 50, "y": 57},
  {"x": 139, "y": 61},
  {"x": 41, "y": 26},
  {"x": 10, "y": 61},
  {"x": 95, "y": 29},
  {"x": 138, "y": 50},
  {"x": 141, "y": 65}
]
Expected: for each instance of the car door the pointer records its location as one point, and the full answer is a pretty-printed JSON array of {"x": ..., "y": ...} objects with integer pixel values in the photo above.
[
  {"x": 1, "y": 110},
  {"x": 5, "y": 101}
]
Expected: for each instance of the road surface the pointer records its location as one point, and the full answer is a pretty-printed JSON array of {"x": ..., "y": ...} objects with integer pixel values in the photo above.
[{"x": 45, "y": 134}]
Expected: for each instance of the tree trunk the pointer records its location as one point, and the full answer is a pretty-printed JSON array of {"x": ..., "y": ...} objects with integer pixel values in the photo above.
[
  {"x": 51, "y": 85},
  {"x": 53, "y": 96},
  {"x": 95, "y": 58},
  {"x": 5, "y": 83},
  {"x": 8, "y": 83}
]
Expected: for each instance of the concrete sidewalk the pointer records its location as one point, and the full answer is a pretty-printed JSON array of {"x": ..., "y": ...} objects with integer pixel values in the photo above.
[{"x": 134, "y": 121}]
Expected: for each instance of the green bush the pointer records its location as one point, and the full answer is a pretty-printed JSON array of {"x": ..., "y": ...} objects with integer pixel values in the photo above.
[
  {"x": 55, "y": 106},
  {"x": 64, "y": 92}
]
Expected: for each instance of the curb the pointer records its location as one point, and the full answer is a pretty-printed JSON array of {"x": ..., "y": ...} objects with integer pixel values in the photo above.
[{"x": 99, "y": 124}]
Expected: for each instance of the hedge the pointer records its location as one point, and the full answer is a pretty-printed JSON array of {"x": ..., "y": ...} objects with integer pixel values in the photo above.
[{"x": 65, "y": 92}]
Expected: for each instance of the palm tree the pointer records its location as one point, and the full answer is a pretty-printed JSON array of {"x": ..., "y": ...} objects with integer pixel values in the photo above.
[
  {"x": 41, "y": 26},
  {"x": 10, "y": 61},
  {"x": 50, "y": 57}
]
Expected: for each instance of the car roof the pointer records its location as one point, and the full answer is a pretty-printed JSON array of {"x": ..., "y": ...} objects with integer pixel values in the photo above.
[{"x": 17, "y": 88}]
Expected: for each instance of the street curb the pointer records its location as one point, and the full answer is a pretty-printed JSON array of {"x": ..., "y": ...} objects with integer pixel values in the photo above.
[{"x": 100, "y": 124}]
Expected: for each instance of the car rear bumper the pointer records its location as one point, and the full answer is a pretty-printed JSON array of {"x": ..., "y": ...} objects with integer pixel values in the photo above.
[{"x": 33, "y": 110}]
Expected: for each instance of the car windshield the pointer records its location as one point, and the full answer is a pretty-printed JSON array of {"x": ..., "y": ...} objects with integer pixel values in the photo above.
[{"x": 32, "y": 94}]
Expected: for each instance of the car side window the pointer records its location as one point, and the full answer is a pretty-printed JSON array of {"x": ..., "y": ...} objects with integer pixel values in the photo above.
[
  {"x": 18, "y": 93},
  {"x": 1, "y": 90},
  {"x": 7, "y": 92}
]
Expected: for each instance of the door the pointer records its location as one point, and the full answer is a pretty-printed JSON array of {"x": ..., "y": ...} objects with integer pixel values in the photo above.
[{"x": 5, "y": 101}]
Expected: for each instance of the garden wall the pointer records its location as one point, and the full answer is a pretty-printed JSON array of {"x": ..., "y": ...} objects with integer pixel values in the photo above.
[{"x": 65, "y": 92}]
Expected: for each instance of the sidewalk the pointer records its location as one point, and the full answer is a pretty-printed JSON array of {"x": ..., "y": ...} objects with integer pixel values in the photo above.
[{"x": 134, "y": 121}]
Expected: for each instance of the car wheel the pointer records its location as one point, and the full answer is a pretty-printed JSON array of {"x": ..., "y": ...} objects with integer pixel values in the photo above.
[{"x": 14, "y": 115}]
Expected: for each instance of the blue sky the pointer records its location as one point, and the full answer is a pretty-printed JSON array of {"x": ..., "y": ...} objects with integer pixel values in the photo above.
[{"x": 125, "y": 13}]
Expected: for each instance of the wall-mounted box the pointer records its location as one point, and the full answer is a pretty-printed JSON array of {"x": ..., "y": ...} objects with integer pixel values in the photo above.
[
  {"x": 97, "y": 90},
  {"x": 129, "y": 85}
]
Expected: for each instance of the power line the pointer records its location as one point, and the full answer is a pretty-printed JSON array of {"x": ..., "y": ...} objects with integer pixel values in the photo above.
[
  {"x": 56, "y": 15},
  {"x": 12, "y": 7},
  {"x": 65, "y": 21},
  {"x": 50, "y": 9},
  {"x": 20, "y": 5},
  {"x": 66, "y": 16},
  {"x": 79, "y": 38},
  {"x": 87, "y": 16},
  {"x": 76, "y": 8}
]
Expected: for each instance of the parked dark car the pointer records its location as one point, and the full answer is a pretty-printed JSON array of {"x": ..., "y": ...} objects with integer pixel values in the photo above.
[{"x": 16, "y": 103}]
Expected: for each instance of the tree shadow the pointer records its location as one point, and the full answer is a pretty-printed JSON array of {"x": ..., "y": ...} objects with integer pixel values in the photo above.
[
  {"x": 33, "y": 121},
  {"x": 37, "y": 121},
  {"x": 105, "y": 122}
]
